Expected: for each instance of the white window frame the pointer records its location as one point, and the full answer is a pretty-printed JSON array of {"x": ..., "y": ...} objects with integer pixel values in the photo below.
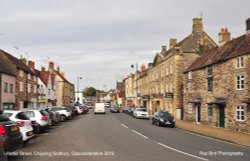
[
  {"x": 190, "y": 108},
  {"x": 240, "y": 62},
  {"x": 170, "y": 87},
  {"x": 171, "y": 69},
  {"x": 29, "y": 88},
  {"x": 21, "y": 86},
  {"x": 240, "y": 113},
  {"x": 240, "y": 82},
  {"x": 21, "y": 73},
  {"x": 29, "y": 76},
  {"x": 190, "y": 87},
  {"x": 35, "y": 90},
  {"x": 190, "y": 75}
]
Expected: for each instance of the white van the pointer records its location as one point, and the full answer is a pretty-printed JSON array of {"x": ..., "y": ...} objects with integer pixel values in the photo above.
[{"x": 100, "y": 108}]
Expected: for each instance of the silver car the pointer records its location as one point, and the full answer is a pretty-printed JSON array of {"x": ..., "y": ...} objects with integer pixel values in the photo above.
[{"x": 41, "y": 117}]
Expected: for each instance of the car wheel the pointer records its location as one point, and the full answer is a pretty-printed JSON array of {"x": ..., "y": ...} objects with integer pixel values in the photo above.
[
  {"x": 63, "y": 118},
  {"x": 26, "y": 142},
  {"x": 153, "y": 123},
  {"x": 37, "y": 129},
  {"x": 158, "y": 123}
]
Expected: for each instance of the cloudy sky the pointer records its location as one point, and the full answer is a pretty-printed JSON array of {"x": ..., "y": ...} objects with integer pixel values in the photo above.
[{"x": 99, "y": 39}]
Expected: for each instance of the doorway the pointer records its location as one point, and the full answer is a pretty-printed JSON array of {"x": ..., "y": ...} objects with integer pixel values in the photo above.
[
  {"x": 222, "y": 116},
  {"x": 198, "y": 113}
]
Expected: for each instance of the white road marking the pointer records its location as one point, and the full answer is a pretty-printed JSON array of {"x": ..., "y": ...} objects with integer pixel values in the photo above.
[
  {"x": 124, "y": 125},
  {"x": 140, "y": 134},
  {"x": 45, "y": 133},
  {"x": 181, "y": 152}
]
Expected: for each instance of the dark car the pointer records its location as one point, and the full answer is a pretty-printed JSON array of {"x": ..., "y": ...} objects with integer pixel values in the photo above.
[
  {"x": 115, "y": 109},
  {"x": 73, "y": 110},
  {"x": 54, "y": 115},
  {"x": 130, "y": 111},
  {"x": 10, "y": 134},
  {"x": 163, "y": 119}
]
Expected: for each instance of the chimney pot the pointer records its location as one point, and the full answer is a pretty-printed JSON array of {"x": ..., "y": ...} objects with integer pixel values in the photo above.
[
  {"x": 43, "y": 69},
  {"x": 143, "y": 67}
]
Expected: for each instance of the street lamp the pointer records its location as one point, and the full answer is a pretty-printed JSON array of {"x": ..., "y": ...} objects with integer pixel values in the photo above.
[
  {"x": 78, "y": 78},
  {"x": 136, "y": 81}
]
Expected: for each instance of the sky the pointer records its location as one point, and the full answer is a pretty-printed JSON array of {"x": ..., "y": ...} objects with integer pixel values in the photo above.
[{"x": 98, "y": 40}]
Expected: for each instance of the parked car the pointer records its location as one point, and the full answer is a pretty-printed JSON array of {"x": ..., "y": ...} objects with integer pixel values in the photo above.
[
  {"x": 90, "y": 105},
  {"x": 41, "y": 117},
  {"x": 64, "y": 112},
  {"x": 141, "y": 113},
  {"x": 84, "y": 108},
  {"x": 54, "y": 115},
  {"x": 130, "y": 111},
  {"x": 114, "y": 109},
  {"x": 79, "y": 110},
  {"x": 125, "y": 109},
  {"x": 3, "y": 156},
  {"x": 107, "y": 105},
  {"x": 163, "y": 119},
  {"x": 10, "y": 134},
  {"x": 73, "y": 110},
  {"x": 23, "y": 122}
]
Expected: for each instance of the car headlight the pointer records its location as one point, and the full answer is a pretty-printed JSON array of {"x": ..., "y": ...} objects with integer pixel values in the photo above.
[{"x": 161, "y": 120}]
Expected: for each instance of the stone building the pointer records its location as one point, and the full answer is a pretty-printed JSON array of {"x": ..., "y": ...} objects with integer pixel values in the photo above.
[
  {"x": 130, "y": 90},
  {"x": 166, "y": 74},
  {"x": 217, "y": 85},
  {"x": 65, "y": 91},
  {"x": 26, "y": 82}
]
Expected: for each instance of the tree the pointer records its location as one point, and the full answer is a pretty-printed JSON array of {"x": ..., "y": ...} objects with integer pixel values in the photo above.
[{"x": 89, "y": 91}]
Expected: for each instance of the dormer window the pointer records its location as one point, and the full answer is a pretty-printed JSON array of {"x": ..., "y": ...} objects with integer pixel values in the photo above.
[{"x": 240, "y": 62}]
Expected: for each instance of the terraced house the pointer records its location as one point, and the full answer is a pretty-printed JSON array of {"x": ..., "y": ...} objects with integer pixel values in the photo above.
[
  {"x": 166, "y": 74},
  {"x": 217, "y": 85},
  {"x": 26, "y": 82},
  {"x": 7, "y": 83}
]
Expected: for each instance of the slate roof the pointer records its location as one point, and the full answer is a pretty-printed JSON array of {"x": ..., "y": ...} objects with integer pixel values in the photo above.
[
  {"x": 6, "y": 66},
  {"x": 18, "y": 63},
  {"x": 231, "y": 49}
]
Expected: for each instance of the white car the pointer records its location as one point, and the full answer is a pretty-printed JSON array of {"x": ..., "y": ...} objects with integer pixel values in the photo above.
[
  {"x": 40, "y": 116},
  {"x": 141, "y": 113},
  {"x": 79, "y": 111},
  {"x": 65, "y": 113},
  {"x": 23, "y": 122}
]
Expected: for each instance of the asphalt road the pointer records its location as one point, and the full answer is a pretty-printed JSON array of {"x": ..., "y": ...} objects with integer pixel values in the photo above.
[{"x": 119, "y": 137}]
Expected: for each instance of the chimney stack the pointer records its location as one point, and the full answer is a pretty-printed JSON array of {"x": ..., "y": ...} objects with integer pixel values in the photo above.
[
  {"x": 143, "y": 68},
  {"x": 224, "y": 36},
  {"x": 163, "y": 48},
  {"x": 248, "y": 26},
  {"x": 197, "y": 25},
  {"x": 31, "y": 64},
  {"x": 172, "y": 43},
  {"x": 51, "y": 65}
]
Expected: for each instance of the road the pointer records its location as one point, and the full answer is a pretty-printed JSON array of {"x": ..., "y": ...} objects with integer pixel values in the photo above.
[{"x": 119, "y": 137}]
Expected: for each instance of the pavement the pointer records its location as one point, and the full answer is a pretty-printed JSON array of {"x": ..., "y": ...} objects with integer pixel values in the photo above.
[{"x": 215, "y": 132}]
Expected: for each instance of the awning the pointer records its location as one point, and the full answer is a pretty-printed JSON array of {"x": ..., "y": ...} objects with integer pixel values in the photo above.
[
  {"x": 196, "y": 101},
  {"x": 247, "y": 101},
  {"x": 219, "y": 101}
]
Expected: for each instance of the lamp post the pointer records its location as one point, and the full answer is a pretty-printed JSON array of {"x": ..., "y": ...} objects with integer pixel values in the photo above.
[
  {"x": 78, "y": 79},
  {"x": 136, "y": 83}
]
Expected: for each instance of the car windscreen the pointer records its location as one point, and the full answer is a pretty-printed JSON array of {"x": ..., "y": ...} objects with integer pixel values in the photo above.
[
  {"x": 162, "y": 114},
  {"x": 22, "y": 116}
]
